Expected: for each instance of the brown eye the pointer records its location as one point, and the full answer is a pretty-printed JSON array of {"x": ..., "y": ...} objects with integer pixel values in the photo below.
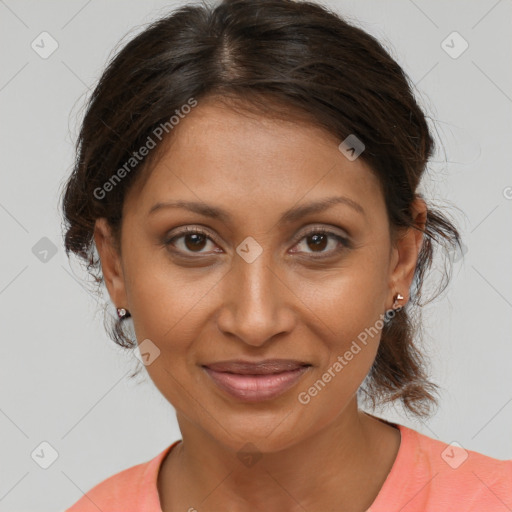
[
  {"x": 318, "y": 242},
  {"x": 194, "y": 241},
  {"x": 190, "y": 240},
  {"x": 322, "y": 242}
]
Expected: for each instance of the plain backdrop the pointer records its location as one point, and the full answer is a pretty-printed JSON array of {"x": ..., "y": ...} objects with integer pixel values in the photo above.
[{"x": 64, "y": 382}]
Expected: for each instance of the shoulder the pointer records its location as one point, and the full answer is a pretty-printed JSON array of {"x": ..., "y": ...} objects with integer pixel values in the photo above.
[
  {"x": 128, "y": 490},
  {"x": 459, "y": 460},
  {"x": 465, "y": 476},
  {"x": 119, "y": 490}
]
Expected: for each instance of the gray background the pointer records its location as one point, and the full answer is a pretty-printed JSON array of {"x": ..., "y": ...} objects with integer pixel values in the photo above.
[{"x": 64, "y": 382}]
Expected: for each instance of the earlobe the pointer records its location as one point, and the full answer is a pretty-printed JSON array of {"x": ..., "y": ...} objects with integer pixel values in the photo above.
[{"x": 110, "y": 262}]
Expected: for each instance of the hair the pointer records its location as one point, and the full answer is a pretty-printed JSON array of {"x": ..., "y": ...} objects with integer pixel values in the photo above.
[{"x": 278, "y": 58}]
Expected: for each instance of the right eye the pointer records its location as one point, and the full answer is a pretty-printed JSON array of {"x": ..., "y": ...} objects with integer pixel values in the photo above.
[{"x": 189, "y": 240}]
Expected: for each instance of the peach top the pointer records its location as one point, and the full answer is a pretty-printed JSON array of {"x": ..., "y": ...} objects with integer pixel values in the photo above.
[{"x": 428, "y": 475}]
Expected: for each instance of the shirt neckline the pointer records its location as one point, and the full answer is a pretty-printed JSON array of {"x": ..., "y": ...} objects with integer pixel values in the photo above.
[
  {"x": 388, "y": 497},
  {"x": 395, "y": 486}
]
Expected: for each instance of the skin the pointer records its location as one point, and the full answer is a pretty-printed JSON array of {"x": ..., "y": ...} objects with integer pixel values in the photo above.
[{"x": 214, "y": 305}]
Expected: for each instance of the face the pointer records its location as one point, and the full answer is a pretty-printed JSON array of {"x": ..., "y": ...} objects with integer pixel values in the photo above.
[{"x": 267, "y": 278}]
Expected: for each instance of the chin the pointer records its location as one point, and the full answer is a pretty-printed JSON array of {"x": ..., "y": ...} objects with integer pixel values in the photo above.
[{"x": 268, "y": 430}]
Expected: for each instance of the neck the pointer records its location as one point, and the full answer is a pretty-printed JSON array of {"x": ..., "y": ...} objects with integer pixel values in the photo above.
[{"x": 341, "y": 467}]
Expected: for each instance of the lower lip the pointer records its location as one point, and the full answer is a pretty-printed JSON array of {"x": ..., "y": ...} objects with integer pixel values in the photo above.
[{"x": 256, "y": 388}]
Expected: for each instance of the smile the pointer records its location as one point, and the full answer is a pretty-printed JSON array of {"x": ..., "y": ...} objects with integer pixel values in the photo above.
[{"x": 256, "y": 387}]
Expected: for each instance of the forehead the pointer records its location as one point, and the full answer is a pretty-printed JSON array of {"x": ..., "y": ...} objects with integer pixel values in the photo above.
[{"x": 234, "y": 158}]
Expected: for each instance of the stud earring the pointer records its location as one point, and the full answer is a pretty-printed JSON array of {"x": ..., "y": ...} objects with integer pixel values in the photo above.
[
  {"x": 123, "y": 313},
  {"x": 390, "y": 313},
  {"x": 398, "y": 297}
]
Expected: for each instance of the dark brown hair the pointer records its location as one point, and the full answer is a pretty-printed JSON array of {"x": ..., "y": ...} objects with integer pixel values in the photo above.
[{"x": 281, "y": 58}]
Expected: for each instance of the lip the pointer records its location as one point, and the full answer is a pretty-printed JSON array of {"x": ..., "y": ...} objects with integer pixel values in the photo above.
[{"x": 259, "y": 381}]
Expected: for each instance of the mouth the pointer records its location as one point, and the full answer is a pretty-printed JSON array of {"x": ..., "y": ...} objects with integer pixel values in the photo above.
[{"x": 255, "y": 382}]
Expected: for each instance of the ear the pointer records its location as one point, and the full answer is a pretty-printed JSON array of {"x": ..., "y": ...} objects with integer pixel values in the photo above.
[
  {"x": 406, "y": 252},
  {"x": 110, "y": 263}
]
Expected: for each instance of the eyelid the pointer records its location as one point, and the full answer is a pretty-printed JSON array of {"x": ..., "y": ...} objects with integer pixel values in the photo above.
[{"x": 322, "y": 228}]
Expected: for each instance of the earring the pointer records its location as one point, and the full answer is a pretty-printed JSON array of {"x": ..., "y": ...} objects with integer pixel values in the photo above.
[
  {"x": 398, "y": 297},
  {"x": 123, "y": 313},
  {"x": 390, "y": 313}
]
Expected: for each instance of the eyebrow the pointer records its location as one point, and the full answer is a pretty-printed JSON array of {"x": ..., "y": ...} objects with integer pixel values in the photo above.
[{"x": 291, "y": 215}]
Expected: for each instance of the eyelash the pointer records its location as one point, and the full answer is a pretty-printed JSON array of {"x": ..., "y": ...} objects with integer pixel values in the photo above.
[{"x": 312, "y": 231}]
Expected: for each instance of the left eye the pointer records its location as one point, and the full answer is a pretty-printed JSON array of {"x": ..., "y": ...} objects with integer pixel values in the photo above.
[{"x": 319, "y": 239}]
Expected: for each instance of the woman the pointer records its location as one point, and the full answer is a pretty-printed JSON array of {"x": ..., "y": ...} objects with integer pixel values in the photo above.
[{"x": 248, "y": 174}]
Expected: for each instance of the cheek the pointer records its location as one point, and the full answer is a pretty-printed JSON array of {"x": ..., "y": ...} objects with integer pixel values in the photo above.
[
  {"x": 351, "y": 305},
  {"x": 352, "y": 343},
  {"x": 167, "y": 304},
  {"x": 165, "y": 298},
  {"x": 348, "y": 300},
  {"x": 171, "y": 308}
]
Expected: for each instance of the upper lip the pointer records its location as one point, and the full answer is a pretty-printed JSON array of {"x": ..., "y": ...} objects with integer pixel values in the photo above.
[{"x": 267, "y": 366}]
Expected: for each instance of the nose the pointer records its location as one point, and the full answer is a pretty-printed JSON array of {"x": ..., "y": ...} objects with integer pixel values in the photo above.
[{"x": 257, "y": 305}]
